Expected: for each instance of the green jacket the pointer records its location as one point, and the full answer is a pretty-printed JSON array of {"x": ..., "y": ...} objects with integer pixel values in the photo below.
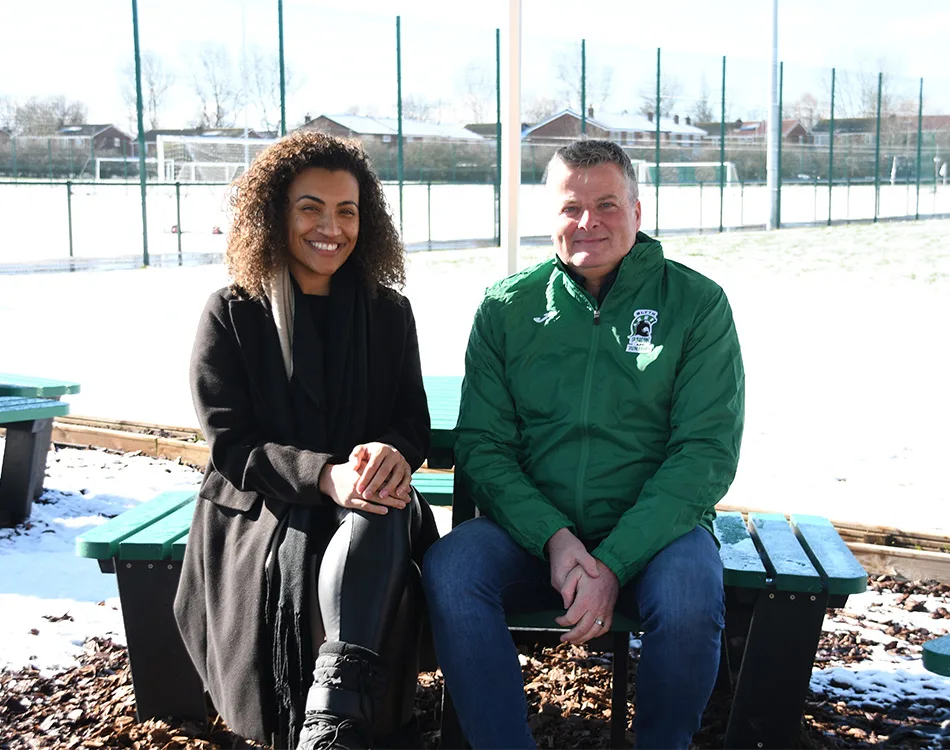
[{"x": 621, "y": 423}]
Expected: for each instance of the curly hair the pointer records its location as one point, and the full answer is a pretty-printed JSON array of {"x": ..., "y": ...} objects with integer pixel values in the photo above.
[{"x": 257, "y": 241}]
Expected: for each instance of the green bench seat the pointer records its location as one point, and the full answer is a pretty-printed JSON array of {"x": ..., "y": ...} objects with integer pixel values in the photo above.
[
  {"x": 29, "y": 423},
  {"x": 937, "y": 655},
  {"x": 780, "y": 577}
]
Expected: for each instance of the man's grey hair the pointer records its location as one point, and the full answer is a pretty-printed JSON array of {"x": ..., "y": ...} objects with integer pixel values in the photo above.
[{"x": 589, "y": 152}]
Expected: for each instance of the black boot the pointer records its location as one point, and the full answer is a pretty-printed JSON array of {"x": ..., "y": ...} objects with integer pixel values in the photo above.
[{"x": 348, "y": 682}]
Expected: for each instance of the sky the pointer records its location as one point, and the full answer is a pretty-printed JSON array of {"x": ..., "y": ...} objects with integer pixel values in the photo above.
[{"x": 344, "y": 58}]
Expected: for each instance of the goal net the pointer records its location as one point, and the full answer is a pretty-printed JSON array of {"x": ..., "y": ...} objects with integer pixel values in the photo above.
[
  {"x": 687, "y": 173},
  {"x": 205, "y": 158}
]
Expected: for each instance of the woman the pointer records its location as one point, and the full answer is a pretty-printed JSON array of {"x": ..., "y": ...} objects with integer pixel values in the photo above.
[{"x": 307, "y": 384}]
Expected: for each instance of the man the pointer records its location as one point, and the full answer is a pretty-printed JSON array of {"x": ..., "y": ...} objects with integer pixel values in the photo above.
[{"x": 600, "y": 423}]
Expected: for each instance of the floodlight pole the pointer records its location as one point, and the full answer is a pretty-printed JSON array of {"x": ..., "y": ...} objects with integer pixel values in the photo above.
[
  {"x": 772, "y": 161},
  {"x": 511, "y": 137}
]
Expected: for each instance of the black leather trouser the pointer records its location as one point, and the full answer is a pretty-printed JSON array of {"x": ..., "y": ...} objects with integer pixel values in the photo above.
[{"x": 369, "y": 593}]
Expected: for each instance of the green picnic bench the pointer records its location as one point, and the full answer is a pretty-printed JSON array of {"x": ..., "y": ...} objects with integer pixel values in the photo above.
[
  {"x": 29, "y": 387},
  {"x": 780, "y": 576},
  {"x": 144, "y": 547},
  {"x": 28, "y": 422},
  {"x": 937, "y": 655}
]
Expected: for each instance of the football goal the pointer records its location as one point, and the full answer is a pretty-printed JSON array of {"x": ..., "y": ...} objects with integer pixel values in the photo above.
[
  {"x": 205, "y": 158},
  {"x": 687, "y": 172}
]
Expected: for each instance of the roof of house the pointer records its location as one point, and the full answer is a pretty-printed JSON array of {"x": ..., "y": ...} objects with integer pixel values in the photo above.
[
  {"x": 760, "y": 128},
  {"x": 631, "y": 123},
  {"x": 364, "y": 125},
  {"x": 87, "y": 130},
  {"x": 929, "y": 123}
]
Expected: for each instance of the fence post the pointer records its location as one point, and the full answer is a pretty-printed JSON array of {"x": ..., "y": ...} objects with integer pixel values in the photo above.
[
  {"x": 280, "y": 55},
  {"x": 69, "y": 214},
  {"x": 877, "y": 151},
  {"x": 141, "y": 124},
  {"x": 831, "y": 145},
  {"x": 778, "y": 149},
  {"x": 16, "y": 173},
  {"x": 498, "y": 156},
  {"x": 722, "y": 145},
  {"x": 583, "y": 87},
  {"x": 656, "y": 180},
  {"x": 49, "y": 157},
  {"x": 429, "y": 211},
  {"x": 399, "y": 154},
  {"x": 178, "y": 217},
  {"x": 920, "y": 127}
]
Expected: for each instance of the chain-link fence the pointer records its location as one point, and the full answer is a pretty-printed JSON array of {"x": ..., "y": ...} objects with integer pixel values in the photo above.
[{"x": 855, "y": 145}]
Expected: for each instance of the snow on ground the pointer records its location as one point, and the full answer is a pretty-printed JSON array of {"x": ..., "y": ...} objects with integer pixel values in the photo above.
[{"x": 843, "y": 338}]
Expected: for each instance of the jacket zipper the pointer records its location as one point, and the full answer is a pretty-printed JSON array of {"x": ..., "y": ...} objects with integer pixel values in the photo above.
[{"x": 585, "y": 438}]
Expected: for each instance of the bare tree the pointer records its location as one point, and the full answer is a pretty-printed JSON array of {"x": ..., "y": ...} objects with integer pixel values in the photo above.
[
  {"x": 806, "y": 109},
  {"x": 47, "y": 116},
  {"x": 262, "y": 77},
  {"x": 540, "y": 108},
  {"x": 671, "y": 91},
  {"x": 701, "y": 110},
  {"x": 478, "y": 91},
  {"x": 569, "y": 75},
  {"x": 214, "y": 83},
  {"x": 156, "y": 81},
  {"x": 418, "y": 108},
  {"x": 7, "y": 113}
]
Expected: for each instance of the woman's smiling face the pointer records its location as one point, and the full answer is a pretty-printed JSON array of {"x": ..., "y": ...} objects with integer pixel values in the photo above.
[{"x": 323, "y": 223}]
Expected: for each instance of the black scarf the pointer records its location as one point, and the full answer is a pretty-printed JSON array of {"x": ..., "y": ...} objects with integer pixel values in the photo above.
[{"x": 329, "y": 391}]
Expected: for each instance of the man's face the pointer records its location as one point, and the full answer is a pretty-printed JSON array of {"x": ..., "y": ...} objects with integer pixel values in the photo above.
[{"x": 597, "y": 222}]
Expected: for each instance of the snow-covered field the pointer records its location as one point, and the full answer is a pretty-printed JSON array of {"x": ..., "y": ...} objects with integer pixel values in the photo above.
[{"x": 843, "y": 335}]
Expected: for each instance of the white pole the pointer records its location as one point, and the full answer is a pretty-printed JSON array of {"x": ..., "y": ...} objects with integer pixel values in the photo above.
[
  {"x": 774, "y": 130},
  {"x": 511, "y": 137}
]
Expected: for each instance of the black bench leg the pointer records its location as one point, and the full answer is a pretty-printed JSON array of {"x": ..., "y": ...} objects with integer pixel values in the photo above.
[
  {"x": 165, "y": 681},
  {"x": 775, "y": 671},
  {"x": 618, "y": 691},
  {"x": 451, "y": 736},
  {"x": 44, "y": 439},
  {"x": 24, "y": 459}
]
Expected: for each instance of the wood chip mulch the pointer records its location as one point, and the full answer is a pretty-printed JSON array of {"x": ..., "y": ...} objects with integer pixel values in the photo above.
[{"x": 568, "y": 690}]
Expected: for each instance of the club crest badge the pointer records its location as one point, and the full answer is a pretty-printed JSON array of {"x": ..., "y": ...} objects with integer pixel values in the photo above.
[{"x": 640, "y": 340}]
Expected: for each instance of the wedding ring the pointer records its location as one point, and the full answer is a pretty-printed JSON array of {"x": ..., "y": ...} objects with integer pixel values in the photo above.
[{"x": 599, "y": 622}]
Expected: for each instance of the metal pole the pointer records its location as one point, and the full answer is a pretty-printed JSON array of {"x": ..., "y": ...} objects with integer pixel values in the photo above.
[
  {"x": 69, "y": 214},
  {"x": 280, "y": 57},
  {"x": 16, "y": 172},
  {"x": 920, "y": 127},
  {"x": 429, "y": 211},
  {"x": 399, "y": 153},
  {"x": 49, "y": 158},
  {"x": 141, "y": 124},
  {"x": 831, "y": 145},
  {"x": 511, "y": 136},
  {"x": 722, "y": 145},
  {"x": 877, "y": 151},
  {"x": 778, "y": 177},
  {"x": 656, "y": 178},
  {"x": 178, "y": 217},
  {"x": 497, "y": 180},
  {"x": 583, "y": 87},
  {"x": 771, "y": 161}
]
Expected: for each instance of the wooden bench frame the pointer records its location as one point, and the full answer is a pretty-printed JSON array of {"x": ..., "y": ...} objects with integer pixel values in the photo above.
[{"x": 29, "y": 423}]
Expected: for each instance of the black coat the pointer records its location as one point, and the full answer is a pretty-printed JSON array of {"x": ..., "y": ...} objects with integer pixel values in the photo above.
[{"x": 243, "y": 402}]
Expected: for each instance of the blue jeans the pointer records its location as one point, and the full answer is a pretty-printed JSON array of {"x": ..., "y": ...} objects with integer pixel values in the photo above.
[{"x": 475, "y": 574}]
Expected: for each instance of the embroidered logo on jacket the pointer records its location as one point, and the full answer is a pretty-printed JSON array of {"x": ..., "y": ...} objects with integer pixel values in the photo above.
[
  {"x": 640, "y": 340},
  {"x": 546, "y": 317}
]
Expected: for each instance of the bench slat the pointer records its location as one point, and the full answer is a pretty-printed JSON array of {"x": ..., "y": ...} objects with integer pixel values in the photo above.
[
  {"x": 435, "y": 487},
  {"x": 783, "y": 554},
  {"x": 842, "y": 572},
  {"x": 937, "y": 655},
  {"x": 102, "y": 542},
  {"x": 742, "y": 566},
  {"x": 154, "y": 542},
  {"x": 25, "y": 385},
  {"x": 21, "y": 409}
]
